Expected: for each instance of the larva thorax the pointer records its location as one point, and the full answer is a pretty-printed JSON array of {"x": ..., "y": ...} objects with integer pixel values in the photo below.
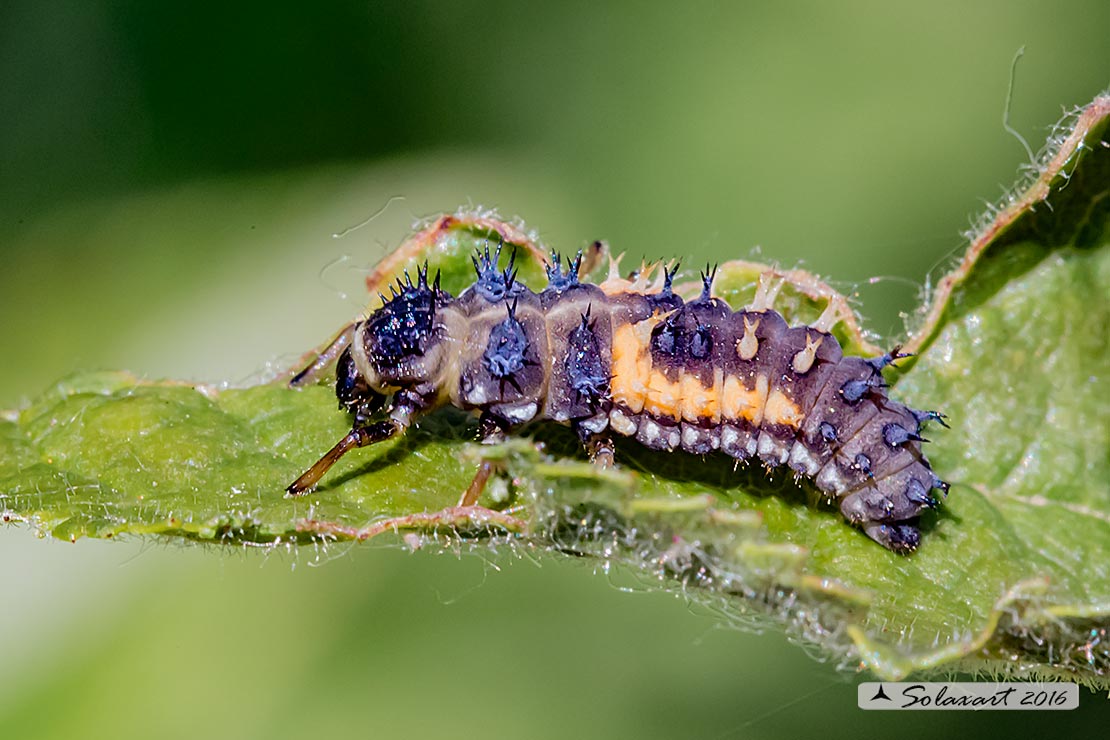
[{"x": 620, "y": 358}]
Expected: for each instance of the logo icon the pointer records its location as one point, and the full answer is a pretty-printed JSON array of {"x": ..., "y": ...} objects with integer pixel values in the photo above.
[{"x": 880, "y": 694}]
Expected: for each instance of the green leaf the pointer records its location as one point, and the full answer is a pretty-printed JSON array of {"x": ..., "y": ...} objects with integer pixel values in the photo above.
[{"x": 1012, "y": 575}]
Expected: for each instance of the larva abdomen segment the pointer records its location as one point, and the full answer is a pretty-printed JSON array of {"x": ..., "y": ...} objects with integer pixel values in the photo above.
[{"x": 579, "y": 334}]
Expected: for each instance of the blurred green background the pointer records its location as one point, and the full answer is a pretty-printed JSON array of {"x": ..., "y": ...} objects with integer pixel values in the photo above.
[{"x": 171, "y": 175}]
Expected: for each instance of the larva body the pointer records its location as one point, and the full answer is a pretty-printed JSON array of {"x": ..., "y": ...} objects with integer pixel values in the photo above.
[{"x": 609, "y": 358}]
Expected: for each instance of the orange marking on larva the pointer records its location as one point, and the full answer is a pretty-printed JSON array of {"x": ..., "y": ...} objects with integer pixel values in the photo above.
[
  {"x": 781, "y": 410},
  {"x": 762, "y": 385},
  {"x": 664, "y": 398},
  {"x": 626, "y": 386},
  {"x": 632, "y": 363},
  {"x": 699, "y": 403},
  {"x": 740, "y": 402},
  {"x": 718, "y": 390}
]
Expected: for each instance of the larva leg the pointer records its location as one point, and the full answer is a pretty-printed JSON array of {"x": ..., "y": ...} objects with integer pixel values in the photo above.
[
  {"x": 491, "y": 430},
  {"x": 474, "y": 491},
  {"x": 601, "y": 451},
  {"x": 599, "y": 446},
  {"x": 324, "y": 358},
  {"x": 358, "y": 437}
]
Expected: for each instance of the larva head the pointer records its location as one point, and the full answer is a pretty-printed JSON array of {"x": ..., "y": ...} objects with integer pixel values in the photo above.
[
  {"x": 352, "y": 390},
  {"x": 402, "y": 344}
]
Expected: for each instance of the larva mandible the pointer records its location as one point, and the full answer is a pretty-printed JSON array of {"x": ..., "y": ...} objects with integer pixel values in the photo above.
[{"x": 607, "y": 358}]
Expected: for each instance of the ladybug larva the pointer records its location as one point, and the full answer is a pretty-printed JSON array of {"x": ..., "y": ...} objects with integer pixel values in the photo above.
[{"x": 634, "y": 359}]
